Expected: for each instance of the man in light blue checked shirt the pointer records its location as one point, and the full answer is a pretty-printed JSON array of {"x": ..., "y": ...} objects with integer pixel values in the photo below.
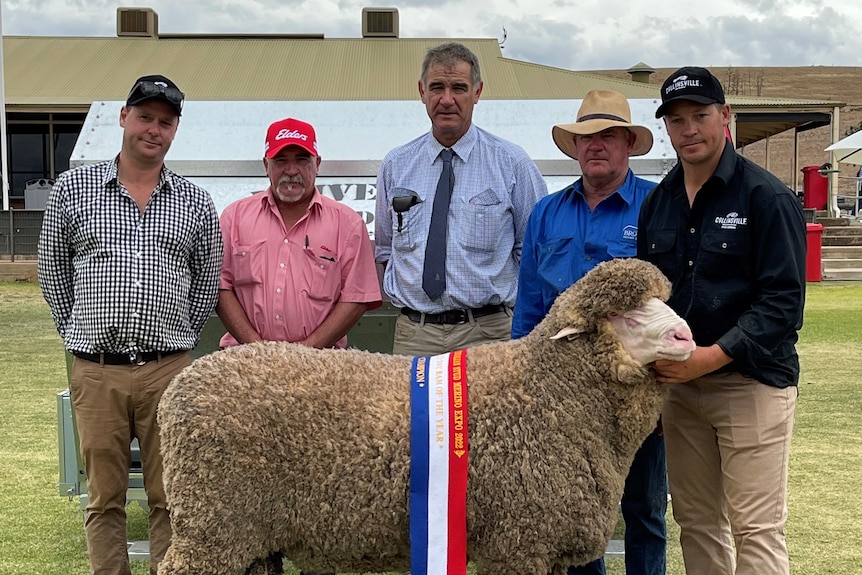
[
  {"x": 129, "y": 262},
  {"x": 495, "y": 187}
]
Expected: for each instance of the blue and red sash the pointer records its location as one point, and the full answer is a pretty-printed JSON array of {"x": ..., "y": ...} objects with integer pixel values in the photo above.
[{"x": 438, "y": 465}]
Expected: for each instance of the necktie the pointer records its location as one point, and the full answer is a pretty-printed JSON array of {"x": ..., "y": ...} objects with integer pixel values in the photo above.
[{"x": 434, "y": 272}]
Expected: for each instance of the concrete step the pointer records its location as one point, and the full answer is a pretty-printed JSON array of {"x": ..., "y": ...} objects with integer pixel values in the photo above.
[
  {"x": 23, "y": 271},
  {"x": 841, "y": 264},
  {"x": 848, "y": 274},
  {"x": 830, "y": 222},
  {"x": 842, "y": 252},
  {"x": 841, "y": 240},
  {"x": 853, "y": 230}
]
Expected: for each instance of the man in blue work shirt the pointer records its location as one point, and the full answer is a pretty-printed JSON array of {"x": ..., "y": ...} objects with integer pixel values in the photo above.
[{"x": 594, "y": 220}]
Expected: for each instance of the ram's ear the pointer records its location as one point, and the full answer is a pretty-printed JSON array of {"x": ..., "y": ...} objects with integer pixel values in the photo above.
[{"x": 570, "y": 332}]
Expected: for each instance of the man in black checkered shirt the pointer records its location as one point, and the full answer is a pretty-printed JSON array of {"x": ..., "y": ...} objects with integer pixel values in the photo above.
[{"x": 129, "y": 262}]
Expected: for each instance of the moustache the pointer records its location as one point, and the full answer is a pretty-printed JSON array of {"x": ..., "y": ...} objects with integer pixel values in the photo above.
[{"x": 291, "y": 180}]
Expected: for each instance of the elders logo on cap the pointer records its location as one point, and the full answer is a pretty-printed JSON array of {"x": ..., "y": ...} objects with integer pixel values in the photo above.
[
  {"x": 290, "y": 132},
  {"x": 693, "y": 84}
]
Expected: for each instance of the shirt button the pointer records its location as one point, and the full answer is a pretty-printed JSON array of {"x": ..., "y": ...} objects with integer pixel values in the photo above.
[
  {"x": 135, "y": 314},
  {"x": 285, "y": 241},
  {"x": 589, "y": 258},
  {"x": 690, "y": 263},
  {"x": 277, "y": 290},
  {"x": 724, "y": 245},
  {"x": 277, "y": 316},
  {"x": 242, "y": 253},
  {"x": 691, "y": 230},
  {"x": 281, "y": 265}
]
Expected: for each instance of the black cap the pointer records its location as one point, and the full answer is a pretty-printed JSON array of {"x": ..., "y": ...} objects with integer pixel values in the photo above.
[
  {"x": 156, "y": 86},
  {"x": 693, "y": 84}
]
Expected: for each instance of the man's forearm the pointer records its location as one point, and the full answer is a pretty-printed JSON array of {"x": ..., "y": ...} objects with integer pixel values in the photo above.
[
  {"x": 234, "y": 317},
  {"x": 336, "y": 325}
]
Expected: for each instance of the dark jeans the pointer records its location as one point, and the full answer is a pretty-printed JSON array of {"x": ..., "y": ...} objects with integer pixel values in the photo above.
[{"x": 644, "y": 505}]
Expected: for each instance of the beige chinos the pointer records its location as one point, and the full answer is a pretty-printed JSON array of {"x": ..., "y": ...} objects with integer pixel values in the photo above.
[
  {"x": 722, "y": 432},
  {"x": 113, "y": 404},
  {"x": 421, "y": 338}
]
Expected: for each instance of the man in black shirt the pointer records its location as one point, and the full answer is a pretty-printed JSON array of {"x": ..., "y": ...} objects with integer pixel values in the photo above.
[{"x": 731, "y": 238}]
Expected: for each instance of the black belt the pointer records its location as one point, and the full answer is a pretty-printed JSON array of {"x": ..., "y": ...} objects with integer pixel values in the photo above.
[
  {"x": 453, "y": 315},
  {"x": 138, "y": 358}
]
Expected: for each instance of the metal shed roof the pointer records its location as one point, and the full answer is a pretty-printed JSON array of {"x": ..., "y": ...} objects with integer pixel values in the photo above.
[
  {"x": 79, "y": 70},
  {"x": 45, "y": 73}
]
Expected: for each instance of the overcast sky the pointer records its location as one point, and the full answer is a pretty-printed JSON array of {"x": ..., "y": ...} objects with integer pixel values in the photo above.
[{"x": 572, "y": 34}]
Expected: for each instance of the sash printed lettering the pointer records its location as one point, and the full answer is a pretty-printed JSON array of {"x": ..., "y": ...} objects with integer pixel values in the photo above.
[{"x": 438, "y": 466}]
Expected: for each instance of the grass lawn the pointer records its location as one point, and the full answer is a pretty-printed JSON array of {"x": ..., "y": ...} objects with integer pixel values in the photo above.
[{"x": 41, "y": 532}]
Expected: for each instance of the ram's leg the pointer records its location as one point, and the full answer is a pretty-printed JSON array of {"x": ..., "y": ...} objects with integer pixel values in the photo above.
[{"x": 272, "y": 565}]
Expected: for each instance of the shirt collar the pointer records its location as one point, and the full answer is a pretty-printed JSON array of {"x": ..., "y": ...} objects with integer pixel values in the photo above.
[
  {"x": 462, "y": 148},
  {"x": 723, "y": 171},
  {"x": 267, "y": 197},
  {"x": 626, "y": 191},
  {"x": 166, "y": 177}
]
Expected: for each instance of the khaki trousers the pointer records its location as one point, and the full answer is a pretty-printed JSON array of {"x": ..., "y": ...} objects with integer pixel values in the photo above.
[
  {"x": 113, "y": 404},
  {"x": 419, "y": 338},
  {"x": 728, "y": 450}
]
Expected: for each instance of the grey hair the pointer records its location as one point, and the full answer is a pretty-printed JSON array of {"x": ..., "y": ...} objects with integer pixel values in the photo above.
[{"x": 449, "y": 54}]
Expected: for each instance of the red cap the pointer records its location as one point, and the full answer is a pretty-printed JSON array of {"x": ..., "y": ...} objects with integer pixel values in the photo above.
[{"x": 289, "y": 132}]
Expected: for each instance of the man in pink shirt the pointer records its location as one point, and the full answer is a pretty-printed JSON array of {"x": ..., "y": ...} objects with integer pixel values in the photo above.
[{"x": 298, "y": 266}]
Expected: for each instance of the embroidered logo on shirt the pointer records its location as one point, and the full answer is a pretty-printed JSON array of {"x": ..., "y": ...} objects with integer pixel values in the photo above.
[
  {"x": 630, "y": 233},
  {"x": 731, "y": 221}
]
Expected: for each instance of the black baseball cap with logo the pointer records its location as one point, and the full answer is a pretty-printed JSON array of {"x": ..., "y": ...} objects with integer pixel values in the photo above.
[
  {"x": 693, "y": 84},
  {"x": 156, "y": 86}
]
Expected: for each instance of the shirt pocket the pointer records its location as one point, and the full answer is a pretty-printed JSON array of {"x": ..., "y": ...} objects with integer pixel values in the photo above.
[
  {"x": 553, "y": 263},
  {"x": 723, "y": 253},
  {"x": 248, "y": 264},
  {"x": 730, "y": 244},
  {"x": 622, "y": 248},
  {"x": 323, "y": 277},
  {"x": 485, "y": 223},
  {"x": 661, "y": 251},
  {"x": 406, "y": 221}
]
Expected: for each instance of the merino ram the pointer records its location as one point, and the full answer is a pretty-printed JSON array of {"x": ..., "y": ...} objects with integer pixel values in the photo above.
[{"x": 277, "y": 447}]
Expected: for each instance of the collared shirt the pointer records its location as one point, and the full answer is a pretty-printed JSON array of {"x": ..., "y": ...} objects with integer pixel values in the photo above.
[
  {"x": 565, "y": 240},
  {"x": 119, "y": 280},
  {"x": 288, "y": 281},
  {"x": 496, "y": 186},
  {"x": 736, "y": 258}
]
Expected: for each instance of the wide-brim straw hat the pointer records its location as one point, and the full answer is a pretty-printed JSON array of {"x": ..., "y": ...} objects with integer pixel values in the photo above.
[{"x": 600, "y": 110}]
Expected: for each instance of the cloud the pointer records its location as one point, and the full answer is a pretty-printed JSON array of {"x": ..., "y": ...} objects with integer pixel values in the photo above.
[{"x": 573, "y": 34}]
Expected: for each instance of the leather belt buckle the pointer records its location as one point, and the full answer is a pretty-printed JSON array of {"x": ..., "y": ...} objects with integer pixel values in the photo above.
[
  {"x": 137, "y": 358},
  {"x": 455, "y": 316}
]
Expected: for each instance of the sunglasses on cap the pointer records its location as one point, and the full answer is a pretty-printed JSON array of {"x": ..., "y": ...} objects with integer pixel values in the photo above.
[{"x": 149, "y": 89}]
